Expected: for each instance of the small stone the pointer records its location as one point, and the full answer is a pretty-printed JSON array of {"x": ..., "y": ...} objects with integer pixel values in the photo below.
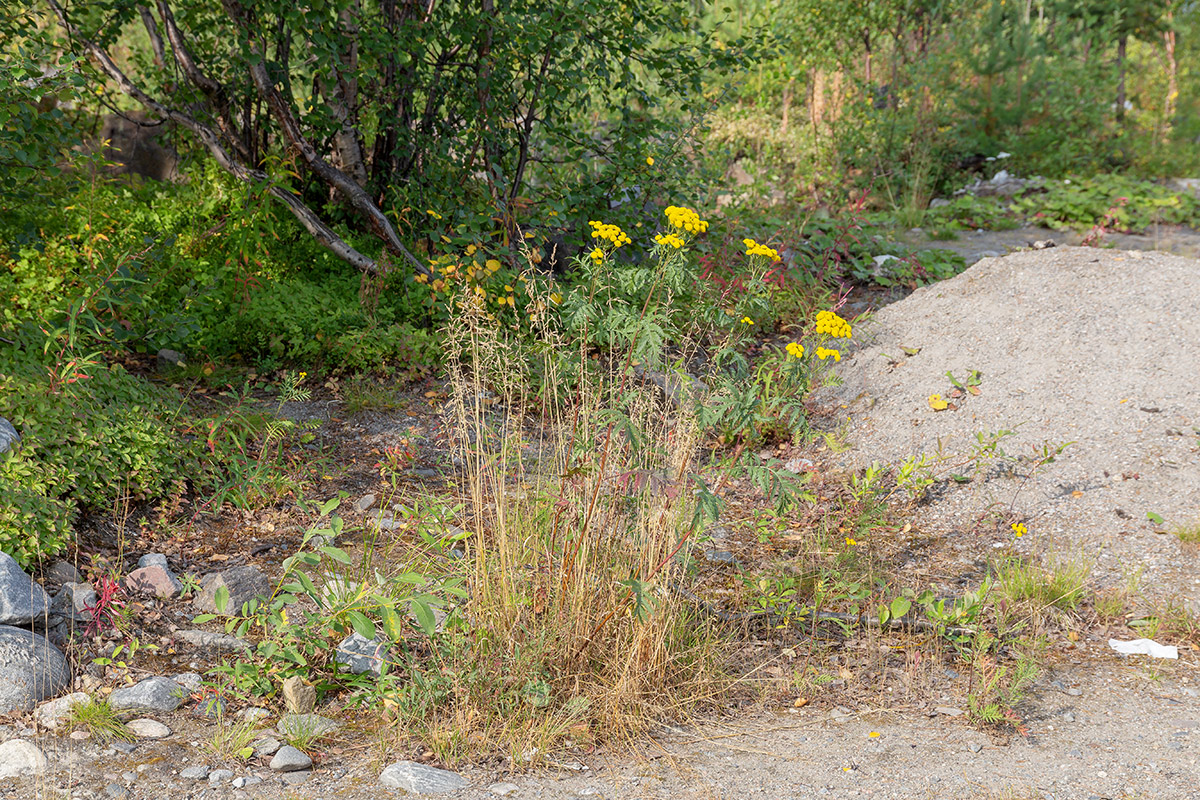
[
  {"x": 1073, "y": 692},
  {"x": 242, "y": 583},
  {"x": 247, "y": 780},
  {"x": 53, "y": 714},
  {"x": 296, "y": 778},
  {"x": 503, "y": 789},
  {"x": 419, "y": 778},
  {"x": 219, "y": 776},
  {"x": 19, "y": 757},
  {"x": 197, "y": 773},
  {"x": 364, "y": 503},
  {"x": 254, "y": 714},
  {"x": 152, "y": 694},
  {"x": 192, "y": 681},
  {"x": 80, "y": 736},
  {"x": 974, "y": 747},
  {"x": 289, "y": 759},
  {"x": 298, "y": 696},
  {"x": 61, "y": 572},
  {"x": 153, "y": 560},
  {"x": 74, "y": 600},
  {"x": 124, "y": 747},
  {"x": 210, "y": 707},
  {"x": 207, "y": 640},
  {"x": 1068, "y": 717},
  {"x": 296, "y": 725},
  {"x": 361, "y": 654},
  {"x": 168, "y": 360},
  {"x": 148, "y": 729},
  {"x": 265, "y": 746},
  {"x": 720, "y": 557},
  {"x": 116, "y": 790},
  {"x": 949, "y": 711},
  {"x": 154, "y": 580}
]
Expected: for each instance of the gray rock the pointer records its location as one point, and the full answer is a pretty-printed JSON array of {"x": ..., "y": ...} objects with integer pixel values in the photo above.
[
  {"x": 949, "y": 711},
  {"x": 360, "y": 654},
  {"x": 253, "y": 713},
  {"x": 298, "y": 696},
  {"x": 1073, "y": 692},
  {"x": 243, "y": 584},
  {"x": 21, "y": 600},
  {"x": 289, "y": 759},
  {"x": 73, "y": 601},
  {"x": 116, "y": 791},
  {"x": 154, "y": 580},
  {"x": 720, "y": 557},
  {"x": 192, "y": 681},
  {"x": 208, "y": 640},
  {"x": 210, "y": 707},
  {"x": 153, "y": 560},
  {"x": 418, "y": 778},
  {"x": 194, "y": 773},
  {"x": 31, "y": 669},
  {"x": 503, "y": 789},
  {"x": 169, "y": 360},
  {"x": 364, "y": 503},
  {"x": 148, "y": 729},
  {"x": 294, "y": 725},
  {"x": 53, "y": 714},
  {"x": 19, "y": 757},
  {"x": 246, "y": 780},
  {"x": 265, "y": 746},
  {"x": 61, "y": 572},
  {"x": 124, "y": 747},
  {"x": 9, "y": 437},
  {"x": 974, "y": 747},
  {"x": 152, "y": 694},
  {"x": 296, "y": 778},
  {"x": 219, "y": 776}
]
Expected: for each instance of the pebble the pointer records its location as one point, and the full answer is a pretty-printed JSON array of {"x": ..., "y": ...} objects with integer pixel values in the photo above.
[
  {"x": 151, "y": 694},
  {"x": 254, "y": 713},
  {"x": 1073, "y": 692},
  {"x": 194, "y": 773},
  {"x": 949, "y": 711},
  {"x": 246, "y": 780},
  {"x": 116, "y": 790},
  {"x": 503, "y": 789},
  {"x": 294, "y": 778},
  {"x": 124, "y": 747},
  {"x": 1068, "y": 717},
  {"x": 974, "y": 747},
  {"x": 148, "y": 729},
  {"x": 219, "y": 776},
  {"x": 265, "y": 746},
  {"x": 289, "y": 759}
]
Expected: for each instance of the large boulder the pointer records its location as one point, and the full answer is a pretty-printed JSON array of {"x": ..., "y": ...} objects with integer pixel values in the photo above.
[
  {"x": 31, "y": 669},
  {"x": 21, "y": 600},
  {"x": 152, "y": 694},
  {"x": 421, "y": 779}
]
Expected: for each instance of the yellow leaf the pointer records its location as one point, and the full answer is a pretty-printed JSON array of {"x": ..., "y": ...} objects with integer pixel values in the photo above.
[{"x": 937, "y": 403}]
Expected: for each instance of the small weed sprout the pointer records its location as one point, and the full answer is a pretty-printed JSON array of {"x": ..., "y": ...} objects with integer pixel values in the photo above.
[{"x": 100, "y": 719}]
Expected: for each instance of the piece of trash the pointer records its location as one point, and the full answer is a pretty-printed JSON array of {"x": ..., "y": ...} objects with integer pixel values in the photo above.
[{"x": 1144, "y": 647}]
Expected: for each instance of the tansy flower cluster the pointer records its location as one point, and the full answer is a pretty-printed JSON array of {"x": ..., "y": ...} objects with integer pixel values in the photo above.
[
  {"x": 824, "y": 353},
  {"x": 833, "y": 325},
  {"x": 597, "y": 255},
  {"x": 609, "y": 233},
  {"x": 684, "y": 219},
  {"x": 1019, "y": 529},
  {"x": 669, "y": 240},
  {"x": 795, "y": 349},
  {"x": 753, "y": 248}
]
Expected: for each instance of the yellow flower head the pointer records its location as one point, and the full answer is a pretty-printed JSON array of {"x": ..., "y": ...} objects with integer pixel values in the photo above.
[
  {"x": 747, "y": 321},
  {"x": 597, "y": 255},
  {"x": 669, "y": 240},
  {"x": 753, "y": 248},
  {"x": 1019, "y": 529},
  {"x": 303, "y": 375},
  {"x": 609, "y": 233},
  {"x": 831, "y": 324},
  {"x": 685, "y": 220},
  {"x": 824, "y": 353},
  {"x": 851, "y": 542},
  {"x": 650, "y": 161},
  {"x": 795, "y": 349}
]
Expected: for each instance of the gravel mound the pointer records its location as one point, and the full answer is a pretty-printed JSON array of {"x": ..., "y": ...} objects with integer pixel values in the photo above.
[{"x": 1100, "y": 348}]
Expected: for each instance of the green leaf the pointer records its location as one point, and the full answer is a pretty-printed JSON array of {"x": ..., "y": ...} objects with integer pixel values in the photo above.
[
  {"x": 337, "y": 554},
  {"x": 424, "y": 614},
  {"x": 221, "y": 599},
  {"x": 884, "y": 614},
  {"x": 900, "y": 607},
  {"x": 362, "y": 625},
  {"x": 393, "y": 623},
  {"x": 1155, "y": 518}
]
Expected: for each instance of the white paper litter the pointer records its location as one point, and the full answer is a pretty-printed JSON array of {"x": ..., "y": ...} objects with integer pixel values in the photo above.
[{"x": 1144, "y": 647}]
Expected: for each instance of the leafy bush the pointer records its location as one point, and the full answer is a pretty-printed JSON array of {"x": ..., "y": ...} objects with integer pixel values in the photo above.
[{"x": 1132, "y": 205}]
